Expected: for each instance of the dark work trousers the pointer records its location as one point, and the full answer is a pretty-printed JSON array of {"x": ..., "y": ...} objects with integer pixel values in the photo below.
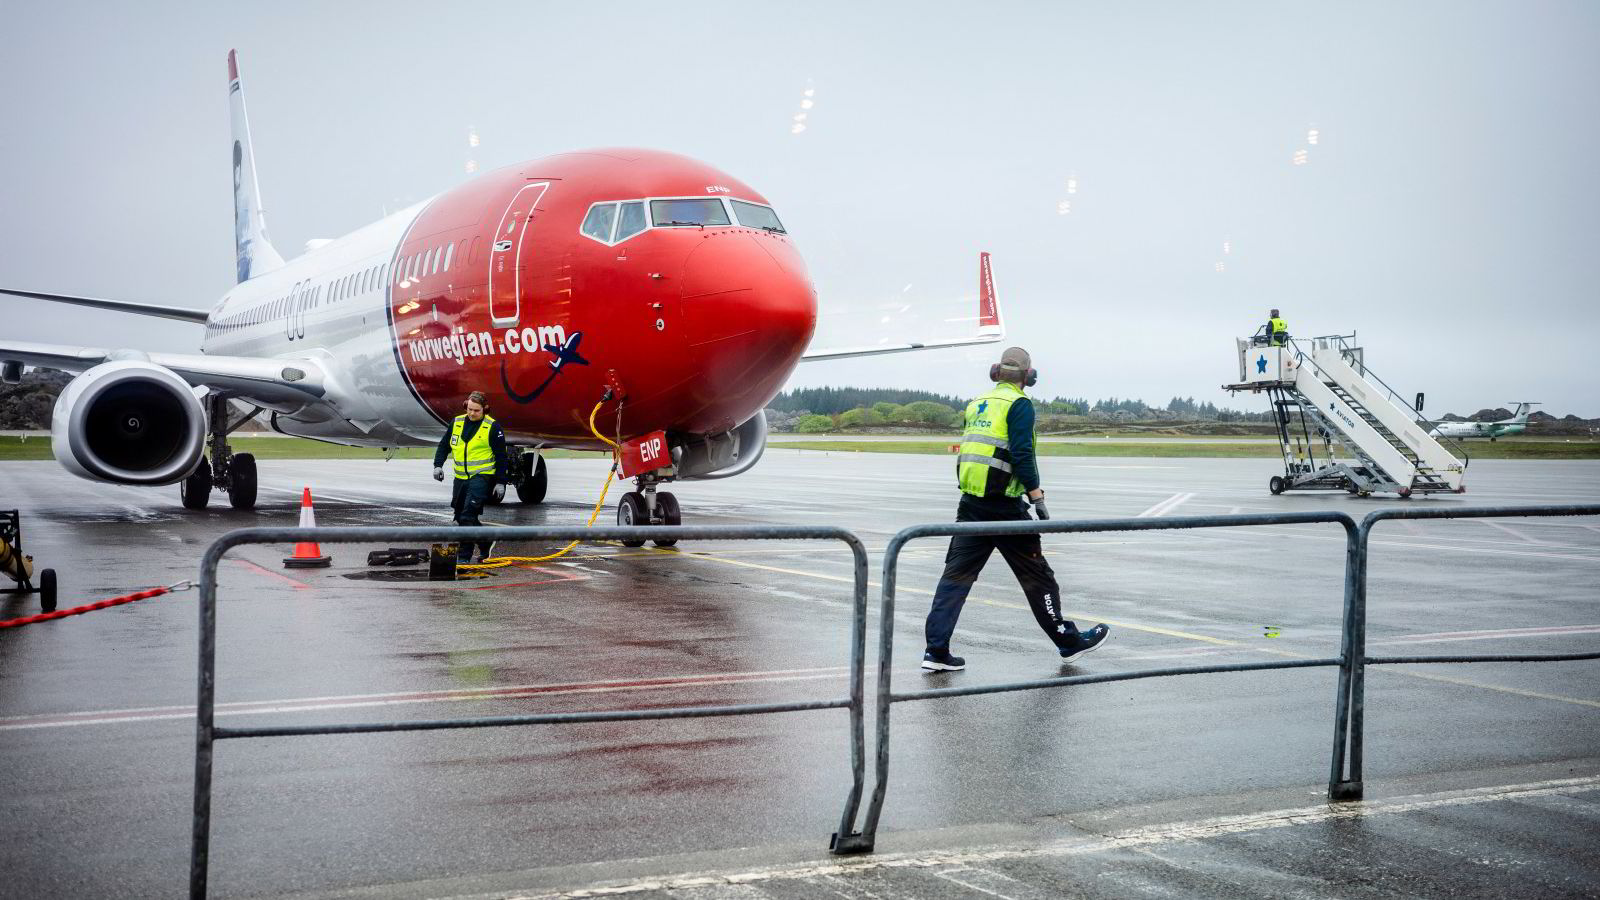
[
  {"x": 467, "y": 498},
  {"x": 1022, "y": 553}
]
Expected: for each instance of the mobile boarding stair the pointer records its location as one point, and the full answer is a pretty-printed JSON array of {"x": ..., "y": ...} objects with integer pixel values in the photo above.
[{"x": 1340, "y": 427}]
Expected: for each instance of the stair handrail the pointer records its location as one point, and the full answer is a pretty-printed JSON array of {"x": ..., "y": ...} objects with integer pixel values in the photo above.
[{"x": 1347, "y": 350}]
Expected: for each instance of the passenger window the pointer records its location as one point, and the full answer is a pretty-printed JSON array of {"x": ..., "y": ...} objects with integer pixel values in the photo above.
[
  {"x": 449, "y": 253},
  {"x": 438, "y": 260},
  {"x": 597, "y": 224},
  {"x": 754, "y": 215},
  {"x": 699, "y": 211},
  {"x": 631, "y": 222}
]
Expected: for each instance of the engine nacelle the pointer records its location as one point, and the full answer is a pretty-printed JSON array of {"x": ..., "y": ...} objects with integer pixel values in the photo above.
[
  {"x": 128, "y": 422},
  {"x": 722, "y": 455}
]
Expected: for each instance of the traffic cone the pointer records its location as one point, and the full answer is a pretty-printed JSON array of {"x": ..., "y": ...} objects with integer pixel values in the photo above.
[{"x": 307, "y": 555}]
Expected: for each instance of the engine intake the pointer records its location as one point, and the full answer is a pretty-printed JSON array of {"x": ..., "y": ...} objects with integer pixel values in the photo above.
[
  {"x": 128, "y": 422},
  {"x": 706, "y": 457}
]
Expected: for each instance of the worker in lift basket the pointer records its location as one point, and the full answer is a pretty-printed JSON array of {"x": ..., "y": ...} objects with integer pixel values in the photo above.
[
  {"x": 994, "y": 470},
  {"x": 1276, "y": 331},
  {"x": 477, "y": 443}
]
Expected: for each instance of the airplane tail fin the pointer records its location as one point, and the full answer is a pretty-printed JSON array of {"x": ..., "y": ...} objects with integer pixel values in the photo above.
[
  {"x": 990, "y": 321},
  {"x": 255, "y": 252},
  {"x": 1524, "y": 407}
]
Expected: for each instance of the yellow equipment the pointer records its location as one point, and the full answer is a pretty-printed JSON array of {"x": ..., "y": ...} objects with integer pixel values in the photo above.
[{"x": 18, "y": 566}]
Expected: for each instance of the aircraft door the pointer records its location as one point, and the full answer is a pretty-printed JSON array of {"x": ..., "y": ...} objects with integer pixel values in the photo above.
[{"x": 510, "y": 254}]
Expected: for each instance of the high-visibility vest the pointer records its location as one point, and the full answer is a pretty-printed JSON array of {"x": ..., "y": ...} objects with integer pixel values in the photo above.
[
  {"x": 983, "y": 468},
  {"x": 1277, "y": 326},
  {"x": 474, "y": 457}
]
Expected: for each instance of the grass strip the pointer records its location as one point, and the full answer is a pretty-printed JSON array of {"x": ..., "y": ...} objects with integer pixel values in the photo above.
[{"x": 20, "y": 448}]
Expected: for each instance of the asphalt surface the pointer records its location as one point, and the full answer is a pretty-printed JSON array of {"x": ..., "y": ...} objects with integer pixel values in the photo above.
[{"x": 1481, "y": 779}]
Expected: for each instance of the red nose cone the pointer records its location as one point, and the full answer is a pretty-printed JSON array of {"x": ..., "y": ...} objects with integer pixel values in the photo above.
[{"x": 749, "y": 312}]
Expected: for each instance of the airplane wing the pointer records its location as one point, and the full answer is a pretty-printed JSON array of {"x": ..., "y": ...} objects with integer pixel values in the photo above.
[
  {"x": 270, "y": 382},
  {"x": 991, "y": 327},
  {"x": 181, "y": 313}
]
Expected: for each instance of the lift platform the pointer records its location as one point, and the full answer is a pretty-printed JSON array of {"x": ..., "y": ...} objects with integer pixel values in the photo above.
[{"x": 1340, "y": 427}]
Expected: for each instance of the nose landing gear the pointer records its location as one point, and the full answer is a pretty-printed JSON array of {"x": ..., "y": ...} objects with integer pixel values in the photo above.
[{"x": 647, "y": 506}]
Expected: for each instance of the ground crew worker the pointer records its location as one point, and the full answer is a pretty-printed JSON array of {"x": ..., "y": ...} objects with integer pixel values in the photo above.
[
  {"x": 995, "y": 468},
  {"x": 1277, "y": 330},
  {"x": 477, "y": 443}
]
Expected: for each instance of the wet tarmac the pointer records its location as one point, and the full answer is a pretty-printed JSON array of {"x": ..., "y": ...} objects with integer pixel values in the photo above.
[{"x": 1482, "y": 780}]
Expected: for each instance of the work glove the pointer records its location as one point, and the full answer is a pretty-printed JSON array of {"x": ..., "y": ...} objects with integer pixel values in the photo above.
[
  {"x": 1040, "y": 511},
  {"x": 438, "y": 473}
]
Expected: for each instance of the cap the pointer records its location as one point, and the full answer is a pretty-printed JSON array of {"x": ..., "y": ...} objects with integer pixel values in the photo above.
[{"x": 1016, "y": 359}]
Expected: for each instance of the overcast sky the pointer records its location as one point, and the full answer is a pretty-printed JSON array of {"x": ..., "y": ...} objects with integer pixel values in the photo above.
[{"x": 1447, "y": 212}]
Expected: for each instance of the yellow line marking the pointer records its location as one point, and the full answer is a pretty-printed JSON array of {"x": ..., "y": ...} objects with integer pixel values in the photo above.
[{"x": 1492, "y": 687}]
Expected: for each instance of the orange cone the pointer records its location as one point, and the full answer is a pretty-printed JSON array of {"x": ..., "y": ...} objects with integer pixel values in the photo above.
[{"x": 307, "y": 554}]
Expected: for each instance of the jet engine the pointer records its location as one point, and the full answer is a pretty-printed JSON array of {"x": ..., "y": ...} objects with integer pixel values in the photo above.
[
  {"x": 128, "y": 422},
  {"x": 725, "y": 455}
]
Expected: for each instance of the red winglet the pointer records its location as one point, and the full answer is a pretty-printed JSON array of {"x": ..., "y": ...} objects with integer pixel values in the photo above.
[{"x": 233, "y": 66}]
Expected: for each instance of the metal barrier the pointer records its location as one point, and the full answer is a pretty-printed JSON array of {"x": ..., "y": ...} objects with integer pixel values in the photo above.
[
  {"x": 863, "y": 841},
  {"x": 207, "y": 733},
  {"x": 1348, "y": 731}
]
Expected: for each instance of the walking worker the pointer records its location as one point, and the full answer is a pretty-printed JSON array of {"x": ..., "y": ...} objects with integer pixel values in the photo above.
[
  {"x": 477, "y": 443},
  {"x": 995, "y": 469}
]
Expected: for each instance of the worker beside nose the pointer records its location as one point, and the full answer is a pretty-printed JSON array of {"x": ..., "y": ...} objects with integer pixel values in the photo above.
[
  {"x": 477, "y": 444},
  {"x": 995, "y": 468}
]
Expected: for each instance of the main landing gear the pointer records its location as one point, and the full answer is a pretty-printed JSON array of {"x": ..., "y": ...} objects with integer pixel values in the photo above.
[
  {"x": 226, "y": 470},
  {"x": 647, "y": 506}
]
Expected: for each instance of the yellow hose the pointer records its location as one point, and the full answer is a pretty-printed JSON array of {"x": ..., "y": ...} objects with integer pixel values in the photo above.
[{"x": 500, "y": 562}]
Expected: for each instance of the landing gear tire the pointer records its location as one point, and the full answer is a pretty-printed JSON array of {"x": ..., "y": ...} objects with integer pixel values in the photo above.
[
  {"x": 497, "y": 494},
  {"x": 534, "y": 481},
  {"x": 630, "y": 512},
  {"x": 1276, "y": 485},
  {"x": 671, "y": 514},
  {"x": 195, "y": 490},
  {"x": 242, "y": 481},
  {"x": 47, "y": 590}
]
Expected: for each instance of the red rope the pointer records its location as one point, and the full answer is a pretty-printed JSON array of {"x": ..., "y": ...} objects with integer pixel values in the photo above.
[{"x": 80, "y": 610}]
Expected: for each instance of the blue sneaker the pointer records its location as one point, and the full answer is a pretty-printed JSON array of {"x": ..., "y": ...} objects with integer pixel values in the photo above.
[
  {"x": 942, "y": 662},
  {"x": 1087, "y": 640}
]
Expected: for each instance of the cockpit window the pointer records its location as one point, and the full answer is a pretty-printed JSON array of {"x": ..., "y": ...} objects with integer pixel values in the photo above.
[
  {"x": 667, "y": 213},
  {"x": 754, "y": 215},
  {"x": 597, "y": 224},
  {"x": 632, "y": 221}
]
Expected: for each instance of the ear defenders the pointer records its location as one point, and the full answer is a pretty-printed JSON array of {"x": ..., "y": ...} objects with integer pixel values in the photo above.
[{"x": 997, "y": 372}]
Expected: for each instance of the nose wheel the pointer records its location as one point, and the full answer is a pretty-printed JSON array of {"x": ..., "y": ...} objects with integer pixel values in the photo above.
[{"x": 647, "y": 506}]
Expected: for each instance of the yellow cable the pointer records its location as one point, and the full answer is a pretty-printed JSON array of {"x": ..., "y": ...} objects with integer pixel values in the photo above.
[{"x": 500, "y": 562}]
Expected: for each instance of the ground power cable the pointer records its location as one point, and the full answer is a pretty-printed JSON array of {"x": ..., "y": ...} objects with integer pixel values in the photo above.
[
  {"x": 91, "y": 607},
  {"x": 500, "y": 562}
]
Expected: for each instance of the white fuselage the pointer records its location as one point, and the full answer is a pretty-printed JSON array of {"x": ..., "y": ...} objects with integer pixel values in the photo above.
[{"x": 331, "y": 305}]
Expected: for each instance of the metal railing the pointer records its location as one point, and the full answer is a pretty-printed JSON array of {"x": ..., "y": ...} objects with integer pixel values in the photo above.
[
  {"x": 207, "y": 733},
  {"x": 1349, "y": 726},
  {"x": 847, "y": 841},
  {"x": 1345, "y": 775}
]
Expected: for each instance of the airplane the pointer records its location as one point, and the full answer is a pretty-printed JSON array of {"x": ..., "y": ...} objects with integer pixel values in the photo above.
[
  {"x": 1517, "y": 424},
  {"x": 687, "y": 295}
]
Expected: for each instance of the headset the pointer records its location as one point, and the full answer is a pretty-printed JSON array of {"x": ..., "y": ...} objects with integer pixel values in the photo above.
[{"x": 1030, "y": 377}]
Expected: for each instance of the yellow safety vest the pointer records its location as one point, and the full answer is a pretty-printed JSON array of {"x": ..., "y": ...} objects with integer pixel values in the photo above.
[
  {"x": 983, "y": 468},
  {"x": 1278, "y": 327},
  {"x": 474, "y": 457}
]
